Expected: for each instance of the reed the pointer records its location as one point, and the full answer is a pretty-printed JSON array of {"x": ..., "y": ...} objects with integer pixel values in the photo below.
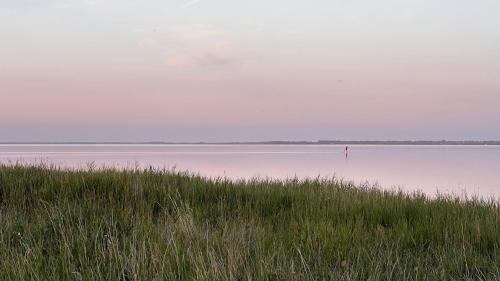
[{"x": 106, "y": 224}]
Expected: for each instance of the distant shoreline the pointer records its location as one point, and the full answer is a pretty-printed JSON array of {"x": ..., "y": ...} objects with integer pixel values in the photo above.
[{"x": 320, "y": 142}]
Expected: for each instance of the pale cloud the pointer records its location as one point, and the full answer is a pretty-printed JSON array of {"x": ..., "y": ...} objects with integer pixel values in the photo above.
[
  {"x": 198, "y": 60},
  {"x": 147, "y": 43},
  {"x": 190, "y": 3},
  {"x": 194, "y": 32},
  {"x": 199, "y": 46},
  {"x": 191, "y": 46}
]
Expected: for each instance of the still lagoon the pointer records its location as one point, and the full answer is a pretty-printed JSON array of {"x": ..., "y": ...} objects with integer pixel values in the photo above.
[{"x": 432, "y": 169}]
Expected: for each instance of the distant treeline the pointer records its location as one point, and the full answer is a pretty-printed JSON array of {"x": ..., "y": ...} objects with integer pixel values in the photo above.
[
  {"x": 342, "y": 142},
  {"x": 339, "y": 142},
  {"x": 420, "y": 142}
]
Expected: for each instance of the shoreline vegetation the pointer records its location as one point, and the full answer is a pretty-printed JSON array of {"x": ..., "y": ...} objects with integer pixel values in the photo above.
[{"x": 107, "y": 224}]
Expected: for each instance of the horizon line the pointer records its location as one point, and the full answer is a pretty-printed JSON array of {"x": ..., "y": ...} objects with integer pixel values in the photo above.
[{"x": 320, "y": 142}]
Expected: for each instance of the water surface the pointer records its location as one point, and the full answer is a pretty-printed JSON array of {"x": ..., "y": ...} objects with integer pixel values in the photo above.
[{"x": 431, "y": 169}]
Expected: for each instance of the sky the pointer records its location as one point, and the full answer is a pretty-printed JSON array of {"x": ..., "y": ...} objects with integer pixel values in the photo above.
[{"x": 234, "y": 70}]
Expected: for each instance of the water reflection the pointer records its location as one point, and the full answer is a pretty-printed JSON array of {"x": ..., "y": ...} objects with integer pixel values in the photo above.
[{"x": 448, "y": 169}]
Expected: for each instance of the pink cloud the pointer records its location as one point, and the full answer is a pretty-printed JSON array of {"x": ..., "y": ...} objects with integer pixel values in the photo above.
[{"x": 198, "y": 60}]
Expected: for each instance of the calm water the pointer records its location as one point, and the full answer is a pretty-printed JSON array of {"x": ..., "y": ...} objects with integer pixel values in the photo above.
[{"x": 447, "y": 169}]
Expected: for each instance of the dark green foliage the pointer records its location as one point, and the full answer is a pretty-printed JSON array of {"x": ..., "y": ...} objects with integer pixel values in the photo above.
[{"x": 161, "y": 225}]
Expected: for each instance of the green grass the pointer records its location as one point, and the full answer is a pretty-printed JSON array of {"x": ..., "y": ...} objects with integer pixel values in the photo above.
[{"x": 162, "y": 225}]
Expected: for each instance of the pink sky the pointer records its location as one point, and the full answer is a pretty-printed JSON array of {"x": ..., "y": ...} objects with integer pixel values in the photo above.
[{"x": 188, "y": 71}]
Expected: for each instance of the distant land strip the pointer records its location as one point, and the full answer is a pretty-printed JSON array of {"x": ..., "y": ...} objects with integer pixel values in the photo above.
[{"x": 319, "y": 142}]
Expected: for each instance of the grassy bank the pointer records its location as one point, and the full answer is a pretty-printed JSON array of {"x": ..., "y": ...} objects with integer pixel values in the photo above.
[{"x": 159, "y": 225}]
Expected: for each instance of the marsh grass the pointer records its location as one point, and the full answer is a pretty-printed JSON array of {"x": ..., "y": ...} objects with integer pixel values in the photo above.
[{"x": 164, "y": 225}]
